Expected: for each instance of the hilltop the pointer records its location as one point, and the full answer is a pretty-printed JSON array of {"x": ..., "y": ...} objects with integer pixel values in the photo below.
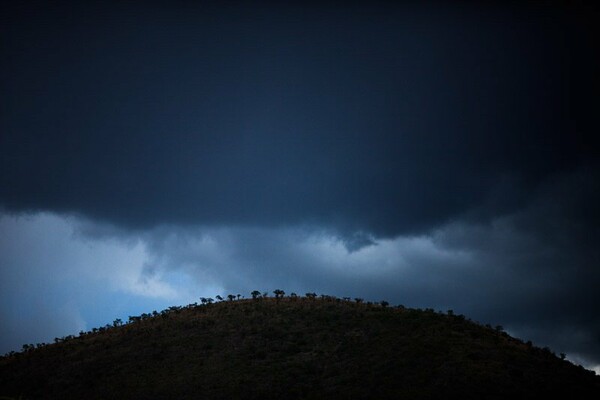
[{"x": 292, "y": 348}]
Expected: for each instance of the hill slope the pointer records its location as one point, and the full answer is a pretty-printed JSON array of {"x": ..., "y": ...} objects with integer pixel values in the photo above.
[{"x": 293, "y": 348}]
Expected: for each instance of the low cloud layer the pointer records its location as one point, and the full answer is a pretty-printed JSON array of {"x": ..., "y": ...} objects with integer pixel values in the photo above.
[{"x": 529, "y": 271}]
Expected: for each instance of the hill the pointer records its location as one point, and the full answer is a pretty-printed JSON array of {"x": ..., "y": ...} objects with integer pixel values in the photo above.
[{"x": 292, "y": 348}]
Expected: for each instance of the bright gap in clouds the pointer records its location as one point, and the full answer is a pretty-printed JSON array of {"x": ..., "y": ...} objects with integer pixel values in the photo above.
[{"x": 56, "y": 282}]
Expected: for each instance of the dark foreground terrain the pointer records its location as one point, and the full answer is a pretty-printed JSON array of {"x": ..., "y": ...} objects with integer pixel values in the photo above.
[{"x": 292, "y": 348}]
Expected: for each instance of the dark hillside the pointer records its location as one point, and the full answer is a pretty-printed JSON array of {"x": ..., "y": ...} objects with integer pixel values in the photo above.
[{"x": 293, "y": 348}]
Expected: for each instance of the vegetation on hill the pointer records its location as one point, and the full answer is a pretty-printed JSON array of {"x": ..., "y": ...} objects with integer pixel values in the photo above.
[{"x": 311, "y": 347}]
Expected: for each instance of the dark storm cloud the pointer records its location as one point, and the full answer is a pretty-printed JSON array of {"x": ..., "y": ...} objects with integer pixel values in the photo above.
[
  {"x": 544, "y": 261},
  {"x": 381, "y": 120}
]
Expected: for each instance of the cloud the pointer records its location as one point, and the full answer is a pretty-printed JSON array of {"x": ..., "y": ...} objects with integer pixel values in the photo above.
[
  {"x": 388, "y": 125},
  {"x": 55, "y": 282},
  {"x": 532, "y": 270},
  {"x": 540, "y": 264}
]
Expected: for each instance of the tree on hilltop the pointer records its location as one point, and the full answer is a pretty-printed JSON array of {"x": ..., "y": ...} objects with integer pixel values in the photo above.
[{"x": 255, "y": 294}]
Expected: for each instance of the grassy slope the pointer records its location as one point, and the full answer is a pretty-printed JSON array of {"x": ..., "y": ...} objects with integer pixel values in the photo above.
[{"x": 293, "y": 348}]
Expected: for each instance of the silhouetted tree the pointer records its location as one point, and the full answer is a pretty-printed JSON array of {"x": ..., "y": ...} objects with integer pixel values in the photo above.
[
  {"x": 546, "y": 351},
  {"x": 384, "y": 303},
  {"x": 219, "y": 298},
  {"x": 117, "y": 322},
  {"x": 203, "y": 300},
  {"x": 278, "y": 293},
  {"x": 231, "y": 297},
  {"x": 255, "y": 294},
  {"x": 312, "y": 295},
  {"x": 358, "y": 300}
]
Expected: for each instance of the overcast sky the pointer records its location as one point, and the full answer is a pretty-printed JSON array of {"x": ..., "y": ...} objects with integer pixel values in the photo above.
[{"x": 430, "y": 155}]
